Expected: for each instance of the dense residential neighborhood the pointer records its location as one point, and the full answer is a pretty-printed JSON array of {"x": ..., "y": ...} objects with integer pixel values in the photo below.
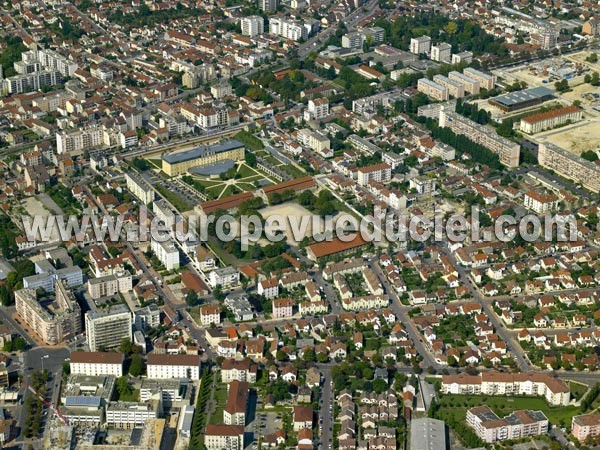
[{"x": 350, "y": 225}]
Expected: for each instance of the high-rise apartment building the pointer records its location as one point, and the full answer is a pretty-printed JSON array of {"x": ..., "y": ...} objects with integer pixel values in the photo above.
[{"x": 106, "y": 329}]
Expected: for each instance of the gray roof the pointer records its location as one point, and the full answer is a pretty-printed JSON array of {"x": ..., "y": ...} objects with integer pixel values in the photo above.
[
  {"x": 427, "y": 434},
  {"x": 514, "y": 98},
  {"x": 199, "y": 152}
]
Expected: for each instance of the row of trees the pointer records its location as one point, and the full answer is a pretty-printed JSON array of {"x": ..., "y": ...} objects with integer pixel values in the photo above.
[{"x": 478, "y": 152}]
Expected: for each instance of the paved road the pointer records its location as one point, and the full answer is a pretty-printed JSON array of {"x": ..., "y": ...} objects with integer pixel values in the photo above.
[
  {"x": 6, "y": 317},
  {"x": 326, "y": 407}
]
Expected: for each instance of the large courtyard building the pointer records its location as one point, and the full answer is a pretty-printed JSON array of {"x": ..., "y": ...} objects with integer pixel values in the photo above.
[
  {"x": 178, "y": 163},
  {"x": 54, "y": 321}
]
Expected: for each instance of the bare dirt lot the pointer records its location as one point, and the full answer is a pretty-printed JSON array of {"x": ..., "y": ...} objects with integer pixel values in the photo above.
[
  {"x": 575, "y": 139},
  {"x": 292, "y": 211}
]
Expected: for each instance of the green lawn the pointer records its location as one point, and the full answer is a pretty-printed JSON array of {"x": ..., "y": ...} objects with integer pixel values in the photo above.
[
  {"x": 175, "y": 200},
  {"x": 577, "y": 389},
  {"x": 220, "y": 398},
  {"x": 456, "y": 406}
]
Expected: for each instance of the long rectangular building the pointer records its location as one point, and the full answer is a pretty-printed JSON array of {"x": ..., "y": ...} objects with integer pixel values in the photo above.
[
  {"x": 471, "y": 85},
  {"x": 514, "y": 101},
  {"x": 554, "y": 390},
  {"x": 570, "y": 165},
  {"x": 433, "y": 89},
  {"x": 550, "y": 119},
  {"x": 508, "y": 151},
  {"x": 455, "y": 88},
  {"x": 517, "y": 425},
  {"x": 178, "y": 163}
]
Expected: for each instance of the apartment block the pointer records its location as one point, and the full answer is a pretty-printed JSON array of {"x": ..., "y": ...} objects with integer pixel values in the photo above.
[
  {"x": 232, "y": 369},
  {"x": 569, "y": 165},
  {"x": 97, "y": 363},
  {"x": 128, "y": 415},
  {"x": 517, "y": 425},
  {"x": 550, "y": 119},
  {"x": 287, "y": 28},
  {"x": 139, "y": 187},
  {"x": 54, "y": 322},
  {"x": 554, "y": 390},
  {"x": 252, "y": 26},
  {"x": 79, "y": 140},
  {"x": 225, "y": 277},
  {"x": 539, "y": 202},
  {"x": 420, "y": 45},
  {"x": 105, "y": 329},
  {"x": 376, "y": 172},
  {"x": 508, "y": 151},
  {"x": 219, "y": 437},
  {"x": 455, "y": 88},
  {"x": 585, "y": 426},
  {"x": 109, "y": 285},
  {"x": 167, "y": 253},
  {"x": 470, "y": 85},
  {"x": 441, "y": 52},
  {"x": 210, "y": 314},
  {"x": 485, "y": 81},
  {"x": 237, "y": 403},
  {"x": 173, "y": 366},
  {"x": 433, "y": 89}
]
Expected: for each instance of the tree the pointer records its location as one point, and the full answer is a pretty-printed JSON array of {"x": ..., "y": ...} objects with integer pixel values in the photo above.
[
  {"x": 309, "y": 355},
  {"x": 280, "y": 355},
  {"x": 136, "y": 367},
  {"x": 380, "y": 385}
]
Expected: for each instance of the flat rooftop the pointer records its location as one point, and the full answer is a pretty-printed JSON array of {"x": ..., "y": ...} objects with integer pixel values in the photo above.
[{"x": 515, "y": 98}]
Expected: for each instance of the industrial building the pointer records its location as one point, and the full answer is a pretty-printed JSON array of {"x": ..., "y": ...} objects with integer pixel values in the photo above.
[{"x": 515, "y": 101}]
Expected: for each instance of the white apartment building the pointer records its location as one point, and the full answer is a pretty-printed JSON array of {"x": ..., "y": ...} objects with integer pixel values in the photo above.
[
  {"x": 569, "y": 165},
  {"x": 162, "y": 211},
  {"x": 287, "y": 28},
  {"x": 550, "y": 119},
  {"x": 420, "y": 45},
  {"x": 377, "y": 172},
  {"x": 106, "y": 329},
  {"x": 97, "y": 363},
  {"x": 110, "y": 285},
  {"x": 233, "y": 369},
  {"x": 79, "y": 140},
  {"x": 167, "y": 253},
  {"x": 210, "y": 314},
  {"x": 470, "y": 85},
  {"x": 539, "y": 202},
  {"x": 268, "y": 5},
  {"x": 224, "y": 277},
  {"x": 163, "y": 367},
  {"x": 252, "y": 26},
  {"x": 485, "y": 81},
  {"x": 268, "y": 288},
  {"x": 317, "y": 109},
  {"x": 129, "y": 415},
  {"x": 139, "y": 187},
  {"x": 554, "y": 390},
  {"x": 433, "y": 89},
  {"x": 507, "y": 150},
  {"x": 441, "y": 52},
  {"x": 455, "y": 88},
  {"x": 147, "y": 317},
  {"x": 517, "y": 425},
  {"x": 219, "y": 437}
]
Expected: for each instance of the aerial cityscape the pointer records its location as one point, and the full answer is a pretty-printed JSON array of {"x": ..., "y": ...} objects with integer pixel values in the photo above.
[{"x": 289, "y": 224}]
